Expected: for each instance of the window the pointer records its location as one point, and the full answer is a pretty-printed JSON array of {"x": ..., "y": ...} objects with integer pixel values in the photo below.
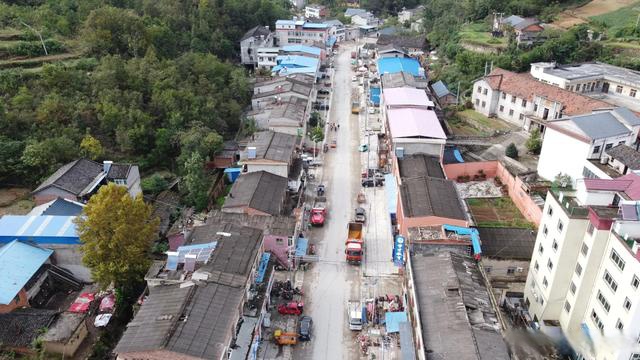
[
  {"x": 585, "y": 249},
  {"x": 521, "y": 116},
  {"x": 545, "y": 230},
  {"x": 632, "y": 92},
  {"x": 578, "y": 87},
  {"x": 540, "y": 249},
  {"x": 567, "y": 306},
  {"x": 479, "y": 89},
  {"x": 120, "y": 181},
  {"x": 484, "y": 103},
  {"x": 535, "y": 107},
  {"x": 596, "y": 320},
  {"x": 627, "y": 304},
  {"x": 635, "y": 282},
  {"x": 536, "y": 266},
  {"x": 504, "y": 95},
  {"x": 549, "y": 265},
  {"x": 484, "y": 91},
  {"x": 550, "y": 211},
  {"x": 477, "y": 102},
  {"x": 603, "y": 302},
  {"x": 588, "y": 174},
  {"x": 619, "y": 325},
  {"x": 511, "y": 112},
  {"x": 560, "y": 226},
  {"x": 554, "y": 246},
  {"x": 572, "y": 288},
  {"x": 609, "y": 280},
  {"x": 513, "y": 99},
  {"x": 590, "y": 229},
  {"x": 619, "y": 89},
  {"x": 617, "y": 260},
  {"x": 596, "y": 149},
  {"x": 524, "y": 102},
  {"x": 578, "y": 269},
  {"x": 511, "y": 270},
  {"x": 608, "y": 146},
  {"x": 545, "y": 283},
  {"x": 501, "y": 108}
]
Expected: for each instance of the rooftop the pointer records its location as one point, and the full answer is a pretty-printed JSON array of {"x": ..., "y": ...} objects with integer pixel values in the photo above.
[
  {"x": 351, "y": 12},
  {"x": 414, "y": 123},
  {"x": 18, "y": 263},
  {"x": 405, "y": 41},
  {"x": 597, "y": 125},
  {"x": 302, "y": 48},
  {"x": 259, "y": 190},
  {"x": 58, "y": 207},
  {"x": 525, "y": 86},
  {"x": 426, "y": 196},
  {"x": 592, "y": 70},
  {"x": 256, "y": 31},
  {"x": 403, "y": 79},
  {"x": 270, "y": 225},
  {"x": 458, "y": 321},
  {"x": 625, "y": 154},
  {"x": 440, "y": 89},
  {"x": 22, "y": 326},
  {"x": 418, "y": 165},
  {"x": 507, "y": 243},
  {"x": 272, "y": 146},
  {"x": 44, "y": 229},
  {"x": 628, "y": 184},
  {"x": 394, "y": 65},
  {"x": 406, "y": 97}
]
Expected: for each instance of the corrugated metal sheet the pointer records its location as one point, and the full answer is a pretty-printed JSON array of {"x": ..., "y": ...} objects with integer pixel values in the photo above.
[{"x": 43, "y": 229}]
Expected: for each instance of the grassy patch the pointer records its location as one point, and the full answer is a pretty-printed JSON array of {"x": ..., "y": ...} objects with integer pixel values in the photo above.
[
  {"x": 620, "y": 18},
  {"x": 470, "y": 122},
  {"x": 497, "y": 212},
  {"x": 479, "y": 33}
]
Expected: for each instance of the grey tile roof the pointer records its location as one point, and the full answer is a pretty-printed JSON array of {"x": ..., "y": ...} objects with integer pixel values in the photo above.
[
  {"x": 427, "y": 196},
  {"x": 440, "y": 89},
  {"x": 210, "y": 321},
  {"x": 273, "y": 146},
  {"x": 626, "y": 155},
  {"x": 352, "y": 12},
  {"x": 73, "y": 177},
  {"x": 507, "y": 243},
  {"x": 270, "y": 225},
  {"x": 391, "y": 48},
  {"x": 21, "y": 326},
  {"x": 513, "y": 20},
  {"x": 256, "y": 31},
  {"x": 458, "y": 321},
  {"x": 526, "y": 22},
  {"x": 63, "y": 207},
  {"x": 402, "y": 79},
  {"x": 405, "y": 41},
  {"x": 155, "y": 321},
  {"x": 259, "y": 190},
  {"x": 598, "y": 125},
  {"x": 418, "y": 165},
  {"x": 119, "y": 171},
  {"x": 627, "y": 116}
]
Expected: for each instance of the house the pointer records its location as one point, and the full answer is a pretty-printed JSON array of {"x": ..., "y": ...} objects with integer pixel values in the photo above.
[
  {"x": 270, "y": 151},
  {"x": 269, "y": 92},
  {"x": 292, "y": 32},
  {"x": 304, "y": 50},
  {"x": 403, "y": 79},
  {"x": 267, "y": 57},
  {"x": 417, "y": 165},
  {"x": 393, "y": 51},
  {"x": 522, "y": 100},
  {"x": 298, "y": 4},
  {"x": 623, "y": 158},
  {"x": 255, "y": 38},
  {"x": 415, "y": 45},
  {"x": 337, "y": 30},
  {"x": 315, "y": 11},
  {"x": 409, "y": 14},
  {"x": 391, "y": 30},
  {"x": 20, "y": 266},
  {"x": 613, "y": 84},
  {"x": 81, "y": 178},
  {"x": 576, "y": 145},
  {"x": 365, "y": 19},
  {"x": 285, "y": 116},
  {"x": 528, "y": 31},
  {"x": 58, "y": 207},
  {"x": 392, "y": 65},
  {"x": 415, "y": 131},
  {"x": 352, "y": 12},
  {"x": 442, "y": 93},
  {"x": 296, "y": 64},
  {"x": 428, "y": 201},
  {"x": 584, "y": 273},
  {"x": 66, "y": 334},
  {"x": 227, "y": 157},
  {"x": 257, "y": 193},
  {"x": 450, "y": 309}
]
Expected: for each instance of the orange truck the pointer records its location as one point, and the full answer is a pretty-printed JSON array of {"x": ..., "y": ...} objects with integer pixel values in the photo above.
[{"x": 354, "y": 244}]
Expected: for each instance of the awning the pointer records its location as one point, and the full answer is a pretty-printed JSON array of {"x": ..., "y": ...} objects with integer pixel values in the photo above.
[
  {"x": 262, "y": 268},
  {"x": 391, "y": 190},
  {"x": 392, "y": 321},
  {"x": 407, "y": 348},
  {"x": 232, "y": 173},
  {"x": 374, "y": 95},
  {"x": 301, "y": 247}
]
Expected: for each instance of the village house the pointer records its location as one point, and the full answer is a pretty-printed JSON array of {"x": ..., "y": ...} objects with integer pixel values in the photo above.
[{"x": 255, "y": 38}]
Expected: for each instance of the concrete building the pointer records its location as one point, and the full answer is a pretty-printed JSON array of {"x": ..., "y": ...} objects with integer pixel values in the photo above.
[
  {"x": 584, "y": 273},
  {"x": 280, "y": 89},
  {"x": 610, "y": 83},
  {"x": 337, "y": 30},
  {"x": 522, "y": 100},
  {"x": 296, "y": 64},
  {"x": 284, "y": 116},
  {"x": 291, "y": 32},
  {"x": 270, "y": 151},
  {"x": 528, "y": 31},
  {"x": 254, "y": 39},
  {"x": 366, "y": 19},
  {"x": 298, "y": 4},
  {"x": 267, "y": 57},
  {"x": 577, "y": 145},
  {"x": 315, "y": 11},
  {"x": 410, "y": 14},
  {"x": 257, "y": 193}
]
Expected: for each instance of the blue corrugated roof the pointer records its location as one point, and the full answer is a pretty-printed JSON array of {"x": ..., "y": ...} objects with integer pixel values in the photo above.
[
  {"x": 18, "y": 263},
  {"x": 310, "y": 25},
  {"x": 297, "y": 61},
  {"x": 262, "y": 268},
  {"x": 302, "y": 48},
  {"x": 43, "y": 229},
  {"x": 440, "y": 89},
  {"x": 301, "y": 247},
  {"x": 392, "y": 321},
  {"x": 394, "y": 65},
  {"x": 374, "y": 95},
  {"x": 331, "y": 41}
]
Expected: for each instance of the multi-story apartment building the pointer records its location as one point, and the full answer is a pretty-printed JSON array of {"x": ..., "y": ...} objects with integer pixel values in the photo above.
[
  {"x": 315, "y": 11},
  {"x": 254, "y": 39},
  {"x": 290, "y": 32},
  {"x": 585, "y": 268}
]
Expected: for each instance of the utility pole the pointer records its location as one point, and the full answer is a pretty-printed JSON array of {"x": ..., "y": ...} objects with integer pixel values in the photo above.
[
  {"x": 37, "y": 33},
  {"x": 458, "y": 94}
]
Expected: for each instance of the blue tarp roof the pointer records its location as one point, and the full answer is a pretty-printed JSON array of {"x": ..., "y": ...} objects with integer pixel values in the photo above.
[
  {"x": 394, "y": 65},
  {"x": 310, "y": 25},
  {"x": 392, "y": 320},
  {"x": 232, "y": 173},
  {"x": 301, "y": 247},
  {"x": 302, "y": 48},
  {"x": 291, "y": 64},
  {"x": 43, "y": 229},
  {"x": 473, "y": 232},
  {"x": 374, "y": 95},
  {"x": 391, "y": 190},
  {"x": 18, "y": 263},
  {"x": 262, "y": 268}
]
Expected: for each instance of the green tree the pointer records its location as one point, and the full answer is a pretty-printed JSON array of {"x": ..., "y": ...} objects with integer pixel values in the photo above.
[
  {"x": 154, "y": 184},
  {"x": 534, "y": 142},
  {"x": 317, "y": 135},
  {"x": 116, "y": 234},
  {"x": 195, "y": 181},
  {"x": 111, "y": 30},
  {"x": 314, "y": 119},
  {"x": 511, "y": 151},
  {"x": 91, "y": 147}
]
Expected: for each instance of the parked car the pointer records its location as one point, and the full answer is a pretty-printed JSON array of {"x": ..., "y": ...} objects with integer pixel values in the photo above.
[
  {"x": 305, "y": 328},
  {"x": 363, "y": 148},
  {"x": 320, "y": 106},
  {"x": 372, "y": 110},
  {"x": 354, "y": 78},
  {"x": 369, "y": 182},
  {"x": 323, "y": 91},
  {"x": 361, "y": 216}
]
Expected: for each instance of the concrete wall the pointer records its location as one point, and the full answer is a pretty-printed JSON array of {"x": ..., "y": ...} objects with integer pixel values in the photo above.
[
  {"x": 69, "y": 347},
  {"x": 493, "y": 169},
  {"x": 278, "y": 246},
  {"x": 419, "y": 146},
  {"x": 562, "y": 154},
  {"x": 51, "y": 193},
  {"x": 278, "y": 169},
  {"x": 69, "y": 257},
  {"x": 133, "y": 182}
]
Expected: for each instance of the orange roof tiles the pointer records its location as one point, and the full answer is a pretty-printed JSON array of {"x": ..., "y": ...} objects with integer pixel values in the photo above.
[{"x": 525, "y": 86}]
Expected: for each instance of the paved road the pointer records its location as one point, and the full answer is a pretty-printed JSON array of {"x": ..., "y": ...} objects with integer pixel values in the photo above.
[{"x": 331, "y": 282}]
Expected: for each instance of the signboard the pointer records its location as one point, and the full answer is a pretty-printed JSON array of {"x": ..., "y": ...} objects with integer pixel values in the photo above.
[{"x": 398, "y": 251}]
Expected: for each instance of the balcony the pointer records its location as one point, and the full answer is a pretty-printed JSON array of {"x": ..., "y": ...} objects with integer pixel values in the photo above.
[{"x": 566, "y": 198}]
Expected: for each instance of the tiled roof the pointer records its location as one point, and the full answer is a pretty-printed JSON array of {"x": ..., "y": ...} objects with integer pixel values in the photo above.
[
  {"x": 259, "y": 190},
  {"x": 525, "y": 86},
  {"x": 440, "y": 89},
  {"x": 273, "y": 146},
  {"x": 427, "y": 196},
  {"x": 507, "y": 243},
  {"x": 256, "y": 31},
  {"x": 73, "y": 177},
  {"x": 22, "y": 326},
  {"x": 626, "y": 155},
  {"x": 629, "y": 184},
  {"x": 417, "y": 165}
]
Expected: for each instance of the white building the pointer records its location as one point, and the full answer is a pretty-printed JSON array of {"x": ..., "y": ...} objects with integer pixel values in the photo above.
[
  {"x": 365, "y": 19},
  {"x": 254, "y": 39},
  {"x": 614, "y": 84},
  {"x": 409, "y": 14},
  {"x": 290, "y": 32},
  {"x": 585, "y": 271},
  {"x": 576, "y": 145},
  {"x": 315, "y": 11},
  {"x": 267, "y": 57}
]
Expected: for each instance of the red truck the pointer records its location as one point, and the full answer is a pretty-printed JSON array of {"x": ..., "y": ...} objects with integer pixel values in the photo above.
[
  {"x": 354, "y": 244},
  {"x": 319, "y": 212}
]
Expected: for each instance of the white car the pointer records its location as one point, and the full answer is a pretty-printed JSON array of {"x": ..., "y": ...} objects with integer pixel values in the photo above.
[
  {"x": 372, "y": 110},
  {"x": 354, "y": 78}
]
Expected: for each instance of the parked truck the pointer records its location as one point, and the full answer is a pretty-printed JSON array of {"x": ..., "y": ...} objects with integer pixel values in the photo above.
[
  {"x": 355, "y": 104},
  {"x": 354, "y": 244},
  {"x": 354, "y": 314},
  {"x": 319, "y": 211}
]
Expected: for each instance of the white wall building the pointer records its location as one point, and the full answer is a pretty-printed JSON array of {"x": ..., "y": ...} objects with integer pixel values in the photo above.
[
  {"x": 585, "y": 271},
  {"x": 315, "y": 11},
  {"x": 254, "y": 39},
  {"x": 298, "y": 4},
  {"x": 290, "y": 32}
]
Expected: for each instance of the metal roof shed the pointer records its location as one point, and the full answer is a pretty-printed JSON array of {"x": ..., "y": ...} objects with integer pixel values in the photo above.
[{"x": 43, "y": 229}]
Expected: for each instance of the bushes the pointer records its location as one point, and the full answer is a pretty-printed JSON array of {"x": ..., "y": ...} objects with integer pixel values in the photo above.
[
  {"x": 154, "y": 184},
  {"x": 511, "y": 151},
  {"x": 34, "y": 48}
]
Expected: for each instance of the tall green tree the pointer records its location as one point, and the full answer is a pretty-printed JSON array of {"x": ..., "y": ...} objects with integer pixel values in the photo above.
[
  {"x": 196, "y": 182},
  {"x": 116, "y": 233}
]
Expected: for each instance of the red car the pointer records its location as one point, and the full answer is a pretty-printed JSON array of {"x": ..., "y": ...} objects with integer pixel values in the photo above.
[
  {"x": 292, "y": 308},
  {"x": 317, "y": 216},
  {"x": 82, "y": 303}
]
